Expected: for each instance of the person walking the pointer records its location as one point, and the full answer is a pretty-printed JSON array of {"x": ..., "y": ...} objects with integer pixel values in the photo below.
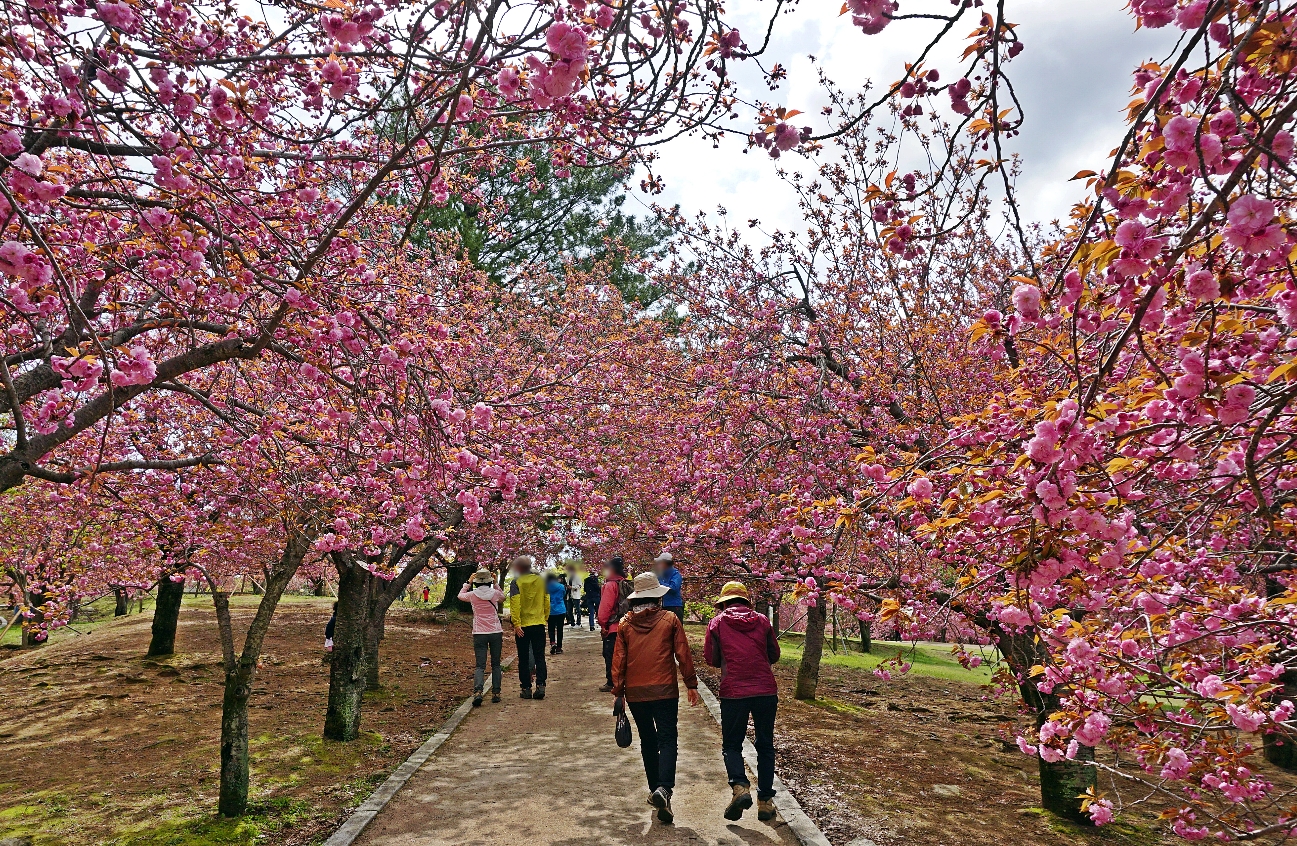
[
  {"x": 557, "y": 590},
  {"x": 590, "y": 589},
  {"x": 425, "y": 594},
  {"x": 612, "y": 606},
  {"x": 665, "y": 568},
  {"x": 573, "y": 582},
  {"x": 529, "y": 610},
  {"x": 488, "y": 635},
  {"x": 744, "y": 645},
  {"x": 650, "y": 641}
]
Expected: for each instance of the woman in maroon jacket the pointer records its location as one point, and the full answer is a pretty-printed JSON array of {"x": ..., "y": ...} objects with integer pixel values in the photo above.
[{"x": 743, "y": 644}]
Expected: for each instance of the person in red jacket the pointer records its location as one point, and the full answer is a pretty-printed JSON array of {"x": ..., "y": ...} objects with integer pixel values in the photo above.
[
  {"x": 744, "y": 645},
  {"x": 612, "y": 607}
]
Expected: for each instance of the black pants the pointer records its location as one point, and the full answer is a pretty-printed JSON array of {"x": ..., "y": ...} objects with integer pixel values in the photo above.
[
  {"x": 531, "y": 652},
  {"x": 658, "y": 739},
  {"x": 592, "y": 609},
  {"x": 483, "y": 643},
  {"x": 556, "y": 629},
  {"x": 574, "y": 612},
  {"x": 734, "y": 727},
  {"x": 609, "y": 644}
]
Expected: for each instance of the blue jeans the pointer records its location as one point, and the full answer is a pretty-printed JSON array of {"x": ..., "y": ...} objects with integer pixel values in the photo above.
[
  {"x": 591, "y": 609},
  {"x": 656, "y": 723},
  {"x": 734, "y": 727}
]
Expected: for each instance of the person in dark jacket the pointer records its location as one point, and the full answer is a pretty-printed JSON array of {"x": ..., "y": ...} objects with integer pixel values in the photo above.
[
  {"x": 744, "y": 645},
  {"x": 590, "y": 595},
  {"x": 329, "y": 628}
]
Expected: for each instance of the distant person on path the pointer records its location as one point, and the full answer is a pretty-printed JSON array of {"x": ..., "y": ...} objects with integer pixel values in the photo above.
[
  {"x": 425, "y": 594},
  {"x": 665, "y": 568},
  {"x": 573, "y": 583},
  {"x": 557, "y": 589},
  {"x": 529, "y": 610},
  {"x": 744, "y": 645},
  {"x": 590, "y": 593},
  {"x": 488, "y": 635},
  {"x": 612, "y": 606},
  {"x": 649, "y": 643}
]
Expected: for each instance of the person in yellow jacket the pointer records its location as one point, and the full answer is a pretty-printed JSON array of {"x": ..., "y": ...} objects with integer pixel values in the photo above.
[{"x": 529, "y": 610}]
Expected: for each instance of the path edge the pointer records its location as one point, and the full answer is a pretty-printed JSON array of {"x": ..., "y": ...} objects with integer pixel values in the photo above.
[
  {"x": 802, "y": 826},
  {"x": 364, "y": 815}
]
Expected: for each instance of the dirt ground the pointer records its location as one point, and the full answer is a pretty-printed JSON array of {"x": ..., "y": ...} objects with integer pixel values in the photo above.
[
  {"x": 101, "y": 745},
  {"x": 918, "y": 761}
]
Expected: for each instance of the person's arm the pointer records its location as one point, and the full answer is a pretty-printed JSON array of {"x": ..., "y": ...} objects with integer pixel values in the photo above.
[
  {"x": 497, "y": 595},
  {"x": 464, "y": 593},
  {"x": 772, "y": 644},
  {"x": 547, "y": 605},
  {"x": 515, "y": 607},
  {"x": 619, "y": 665},
  {"x": 676, "y": 582},
  {"x": 711, "y": 646},
  {"x": 605, "y": 607},
  {"x": 685, "y": 656}
]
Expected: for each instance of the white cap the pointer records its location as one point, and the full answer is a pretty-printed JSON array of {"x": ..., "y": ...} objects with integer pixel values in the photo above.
[{"x": 664, "y": 558}]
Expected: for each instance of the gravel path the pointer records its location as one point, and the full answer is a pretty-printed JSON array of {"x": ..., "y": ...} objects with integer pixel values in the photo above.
[{"x": 527, "y": 773}]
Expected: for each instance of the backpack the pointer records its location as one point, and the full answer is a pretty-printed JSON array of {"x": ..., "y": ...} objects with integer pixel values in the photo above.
[{"x": 624, "y": 589}]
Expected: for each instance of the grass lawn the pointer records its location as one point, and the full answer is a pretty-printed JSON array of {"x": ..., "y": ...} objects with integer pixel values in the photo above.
[{"x": 926, "y": 659}]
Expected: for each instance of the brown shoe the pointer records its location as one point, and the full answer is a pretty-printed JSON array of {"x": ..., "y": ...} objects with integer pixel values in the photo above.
[
  {"x": 741, "y": 801},
  {"x": 606, "y": 689},
  {"x": 765, "y": 810}
]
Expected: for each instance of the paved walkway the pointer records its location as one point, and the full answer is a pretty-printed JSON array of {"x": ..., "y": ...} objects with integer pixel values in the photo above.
[{"x": 526, "y": 773}]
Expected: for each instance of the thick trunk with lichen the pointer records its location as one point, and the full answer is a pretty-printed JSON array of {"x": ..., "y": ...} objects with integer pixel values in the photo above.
[
  {"x": 808, "y": 672},
  {"x": 166, "y": 617},
  {"x": 1064, "y": 783}
]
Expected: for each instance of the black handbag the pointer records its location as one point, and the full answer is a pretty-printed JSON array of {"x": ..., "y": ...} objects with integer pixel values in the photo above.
[{"x": 622, "y": 733}]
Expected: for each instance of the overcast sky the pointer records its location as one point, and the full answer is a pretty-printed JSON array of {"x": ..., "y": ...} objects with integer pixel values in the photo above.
[{"x": 1073, "y": 78}]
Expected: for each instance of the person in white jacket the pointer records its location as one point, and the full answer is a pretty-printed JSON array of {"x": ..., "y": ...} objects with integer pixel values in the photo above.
[
  {"x": 488, "y": 636},
  {"x": 573, "y": 582}
]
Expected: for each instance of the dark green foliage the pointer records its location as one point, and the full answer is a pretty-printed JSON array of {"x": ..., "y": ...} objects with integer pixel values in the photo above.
[{"x": 528, "y": 216}]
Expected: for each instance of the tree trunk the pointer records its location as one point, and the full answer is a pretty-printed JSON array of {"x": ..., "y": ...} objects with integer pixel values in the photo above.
[
  {"x": 808, "y": 673},
  {"x": 866, "y": 639},
  {"x": 241, "y": 670},
  {"x": 348, "y": 674},
  {"x": 166, "y": 616},
  {"x": 1281, "y": 747},
  {"x": 373, "y": 637},
  {"x": 456, "y": 575},
  {"x": 123, "y": 607},
  {"x": 1062, "y": 783}
]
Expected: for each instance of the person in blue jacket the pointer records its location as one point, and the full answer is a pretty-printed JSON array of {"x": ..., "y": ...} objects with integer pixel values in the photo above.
[
  {"x": 557, "y": 611},
  {"x": 664, "y": 567}
]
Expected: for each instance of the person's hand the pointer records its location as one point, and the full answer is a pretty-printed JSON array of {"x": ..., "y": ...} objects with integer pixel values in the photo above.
[
  {"x": 694, "y": 699},
  {"x": 517, "y": 631},
  {"x": 618, "y": 706}
]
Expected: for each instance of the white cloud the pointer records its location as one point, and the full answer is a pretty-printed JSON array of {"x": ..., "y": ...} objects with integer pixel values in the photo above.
[{"x": 1073, "y": 79}]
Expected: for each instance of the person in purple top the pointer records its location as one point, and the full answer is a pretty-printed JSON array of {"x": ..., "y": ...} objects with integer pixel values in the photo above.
[
  {"x": 488, "y": 635},
  {"x": 744, "y": 645}
]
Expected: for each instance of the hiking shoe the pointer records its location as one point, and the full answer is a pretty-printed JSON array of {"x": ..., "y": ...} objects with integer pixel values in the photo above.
[
  {"x": 477, "y": 699},
  {"x": 495, "y": 696},
  {"x": 765, "y": 810},
  {"x": 540, "y": 692},
  {"x": 661, "y": 799},
  {"x": 526, "y": 693},
  {"x": 606, "y": 689},
  {"x": 741, "y": 801},
  {"x": 558, "y": 651}
]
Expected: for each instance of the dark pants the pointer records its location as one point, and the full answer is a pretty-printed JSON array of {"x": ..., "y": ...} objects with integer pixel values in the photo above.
[
  {"x": 531, "y": 651},
  {"x": 556, "y": 629},
  {"x": 678, "y": 610},
  {"x": 482, "y": 643},
  {"x": 591, "y": 609},
  {"x": 658, "y": 740},
  {"x": 734, "y": 727},
  {"x": 609, "y": 644}
]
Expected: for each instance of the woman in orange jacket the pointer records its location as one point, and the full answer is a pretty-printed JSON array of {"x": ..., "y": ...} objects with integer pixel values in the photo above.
[{"x": 650, "y": 642}]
